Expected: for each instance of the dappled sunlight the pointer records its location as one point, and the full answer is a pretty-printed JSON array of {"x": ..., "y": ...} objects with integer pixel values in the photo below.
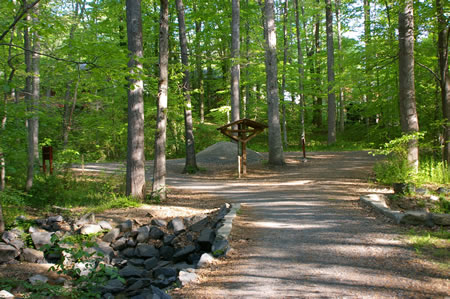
[{"x": 270, "y": 224}]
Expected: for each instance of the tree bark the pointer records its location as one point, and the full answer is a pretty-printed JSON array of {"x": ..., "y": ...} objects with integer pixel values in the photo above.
[
  {"x": 135, "y": 176},
  {"x": 330, "y": 72},
  {"x": 301, "y": 73},
  {"x": 341, "y": 90},
  {"x": 235, "y": 64},
  {"x": 191, "y": 163},
  {"x": 246, "y": 100},
  {"x": 33, "y": 82},
  {"x": 407, "y": 96},
  {"x": 283, "y": 78},
  {"x": 276, "y": 156},
  {"x": 317, "y": 114},
  {"x": 198, "y": 66},
  {"x": 367, "y": 37},
  {"x": 159, "y": 174},
  {"x": 443, "y": 34}
]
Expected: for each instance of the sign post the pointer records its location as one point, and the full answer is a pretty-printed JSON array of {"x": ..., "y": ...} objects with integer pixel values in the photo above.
[{"x": 47, "y": 154}]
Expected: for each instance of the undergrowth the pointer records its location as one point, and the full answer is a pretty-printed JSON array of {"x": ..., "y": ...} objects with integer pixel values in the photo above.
[{"x": 434, "y": 244}]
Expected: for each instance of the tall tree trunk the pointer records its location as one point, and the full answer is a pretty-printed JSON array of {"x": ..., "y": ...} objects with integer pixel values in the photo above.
[
  {"x": 159, "y": 175},
  {"x": 283, "y": 78},
  {"x": 246, "y": 100},
  {"x": 317, "y": 115},
  {"x": 341, "y": 90},
  {"x": 443, "y": 35},
  {"x": 301, "y": 73},
  {"x": 367, "y": 38},
  {"x": 191, "y": 163},
  {"x": 33, "y": 100},
  {"x": 198, "y": 66},
  {"x": 235, "y": 64},
  {"x": 276, "y": 156},
  {"x": 330, "y": 72},
  {"x": 135, "y": 149},
  {"x": 407, "y": 95}
]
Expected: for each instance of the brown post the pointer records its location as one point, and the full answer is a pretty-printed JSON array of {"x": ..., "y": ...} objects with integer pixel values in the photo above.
[
  {"x": 244, "y": 157},
  {"x": 47, "y": 154}
]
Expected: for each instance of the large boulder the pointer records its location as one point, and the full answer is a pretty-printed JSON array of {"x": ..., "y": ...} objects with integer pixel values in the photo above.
[{"x": 8, "y": 253}]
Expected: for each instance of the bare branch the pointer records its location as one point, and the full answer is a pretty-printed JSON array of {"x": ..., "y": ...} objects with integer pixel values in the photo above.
[
  {"x": 19, "y": 16},
  {"x": 431, "y": 71}
]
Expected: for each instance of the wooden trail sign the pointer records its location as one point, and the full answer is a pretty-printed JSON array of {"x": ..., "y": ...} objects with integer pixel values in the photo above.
[{"x": 242, "y": 131}]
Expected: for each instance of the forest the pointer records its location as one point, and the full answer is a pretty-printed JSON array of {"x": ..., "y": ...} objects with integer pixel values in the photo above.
[{"x": 116, "y": 80}]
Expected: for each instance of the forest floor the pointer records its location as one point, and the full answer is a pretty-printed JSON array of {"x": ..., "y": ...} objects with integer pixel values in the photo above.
[{"x": 300, "y": 233}]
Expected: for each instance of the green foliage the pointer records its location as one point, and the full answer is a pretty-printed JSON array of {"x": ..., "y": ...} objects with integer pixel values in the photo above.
[
  {"x": 40, "y": 290},
  {"x": 435, "y": 244},
  {"x": 13, "y": 202}
]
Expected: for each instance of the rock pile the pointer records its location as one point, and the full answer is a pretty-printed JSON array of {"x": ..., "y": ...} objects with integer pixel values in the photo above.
[{"x": 150, "y": 257}]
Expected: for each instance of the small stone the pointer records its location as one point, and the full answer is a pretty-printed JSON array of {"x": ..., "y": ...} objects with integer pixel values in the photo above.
[
  {"x": 84, "y": 268},
  {"x": 200, "y": 223},
  {"x": 206, "y": 239},
  {"x": 158, "y": 222},
  {"x": 6, "y": 295},
  {"x": 131, "y": 243},
  {"x": 114, "y": 286},
  {"x": 139, "y": 284},
  {"x": 168, "y": 239},
  {"x": 120, "y": 244},
  {"x": 442, "y": 190},
  {"x": 129, "y": 252},
  {"x": 41, "y": 238},
  {"x": 32, "y": 255},
  {"x": 421, "y": 191},
  {"x": 86, "y": 219},
  {"x": 105, "y": 225},
  {"x": 8, "y": 253},
  {"x": 166, "y": 252},
  {"x": 183, "y": 253},
  {"x": 111, "y": 235},
  {"x": 166, "y": 272},
  {"x": 88, "y": 229},
  {"x": 164, "y": 283},
  {"x": 151, "y": 263},
  {"x": 219, "y": 247},
  {"x": 126, "y": 226},
  {"x": 9, "y": 236},
  {"x": 205, "y": 259},
  {"x": 143, "y": 234},
  {"x": 136, "y": 262},
  {"x": 36, "y": 279},
  {"x": 145, "y": 250},
  {"x": 131, "y": 271},
  {"x": 177, "y": 225},
  {"x": 434, "y": 198},
  {"x": 186, "y": 277},
  {"x": 156, "y": 233},
  {"x": 57, "y": 218},
  {"x": 159, "y": 293}
]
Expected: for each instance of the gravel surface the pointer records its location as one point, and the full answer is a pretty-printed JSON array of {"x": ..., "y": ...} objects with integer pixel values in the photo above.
[{"x": 310, "y": 239}]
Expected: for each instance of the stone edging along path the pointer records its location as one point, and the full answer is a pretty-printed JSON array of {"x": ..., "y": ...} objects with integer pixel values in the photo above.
[{"x": 378, "y": 203}]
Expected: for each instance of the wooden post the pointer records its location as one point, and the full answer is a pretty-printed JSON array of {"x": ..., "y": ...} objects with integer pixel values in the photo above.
[
  {"x": 47, "y": 154},
  {"x": 244, "y": 158}
]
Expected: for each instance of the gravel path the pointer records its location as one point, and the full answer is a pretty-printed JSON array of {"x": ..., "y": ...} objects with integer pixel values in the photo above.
[{"x": 311, "y": 239}]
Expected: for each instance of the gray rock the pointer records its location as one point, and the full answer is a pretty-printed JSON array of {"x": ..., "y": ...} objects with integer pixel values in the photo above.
[
  {"x": 57, "y": 218},
  {"x": 166, "y": 252},
  {"x": 145, "y": 250},
  {"x": 105, "y": 225},
  {"x": 220, "y": 247},
  {"x": 105, "y": 250},
  {"x": 114, "y": 286},
  {"x": 8, "y": 253},
  {"x": 9, "y": 236},
  {"x": 442, "y": 190},
  {"x": 415, "y": 217},
  {"x": 166, "y": 272},
  {"x": 206, "y": 239},
  {"x": 107, "y": 295},
  {"x": 199, "y": 223},
  {"x": 120, "y": 244},
  {"x": 434, "y": 198},
  {"x": 168, "y": 239},
  {"x": 84, "y": 268},
  {"x": 32, "y": 255},
  {"x": 186, "y": 277},
  {"x": 131, "y": 271},
  {"x": 41, "y": 238},
  {"x": 183, "y": 266},
  {"x": 421, "y": 191},
  {"x": 151, "y": 263},
  {"x": 183, "y": 253},
  {"x": 143, "y": 234},
  {"x": 441, "y": 219},
  {"x": 205, "y": 259},
  {"x": 156, "y": 233},
  {"x": 177, "y": 225},
  {"x": 158, "y": 222},
  {"x": 129, "y": 252},
  {"x": 159, "y": 293},
  {"x": 138, "y": 285},
  {"x": 5, "y": 294},
  {"x": 88, "y": 229},
  {"x": 164, "y": 283},
  {"x": 37, "y": 279},
  {"x": 119, "y": 262},
  {"x": 131, "y": 243},
  {"x": 86, "y": 219},
  {"x": 126, "y": 226}
]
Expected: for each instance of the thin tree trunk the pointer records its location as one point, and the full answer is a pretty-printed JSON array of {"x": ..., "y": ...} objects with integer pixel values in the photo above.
[
  {"x": 198, "y": 66},
  {"x": 301, "y": 73},
  {"x": 135, "y": 176},
  {"x": 246, "y": 100},
  {"x": 317, "y": 116},
  {"x": 159, "y": 175},
  {"x": 33, "y": 101},
  {"x": 330, "y": 72},
  {"x": 341, "y": 90},
  {"x": 276, "y": 156},
  {"x": 443, "y": 34},
  {"x": 367, "y": 38},
  {"x": 235, "y": 64},
  {"x": 191, "y": 163},
  {"x": 407, "y": 96},
  {"x": 283, "y": 78}
]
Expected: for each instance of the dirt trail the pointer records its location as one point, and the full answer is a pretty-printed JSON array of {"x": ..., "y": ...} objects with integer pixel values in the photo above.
[{"x": 302, "y": 234}]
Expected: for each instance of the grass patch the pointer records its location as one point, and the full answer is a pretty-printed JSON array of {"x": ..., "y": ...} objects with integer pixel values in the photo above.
[{"x": 432, "y": 244}]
